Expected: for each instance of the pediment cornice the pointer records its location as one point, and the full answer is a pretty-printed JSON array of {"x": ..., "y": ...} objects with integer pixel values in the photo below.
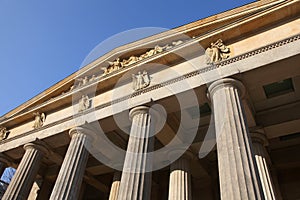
[
  {"x": 227, "y": 22},
  {"x": 240, "y": 60}
]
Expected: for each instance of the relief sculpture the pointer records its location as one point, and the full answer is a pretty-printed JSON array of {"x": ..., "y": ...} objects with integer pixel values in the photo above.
[
  {"x": 118, "y": 64},
  {"x": 84, "y": 103},
  {"x": 3, "y": 133},
  {"x": 39, "y": 120},
  {"x": 217, "y": 52},
  {"x": 140, "y": 81}
]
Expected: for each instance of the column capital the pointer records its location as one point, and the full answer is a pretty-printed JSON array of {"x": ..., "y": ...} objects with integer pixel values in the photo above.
[
  {"x": 259, "y": 136},
  {"x": 226, "y": 82},
  {"x": 138, "y": 110},
  {"x": 37, "y": 146},
  {"x": 22, "y": 181},
  {"x": 82, "y": 130}
]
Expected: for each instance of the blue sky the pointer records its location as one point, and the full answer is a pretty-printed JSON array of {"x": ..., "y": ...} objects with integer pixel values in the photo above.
[{"x": 42, "y": 42}]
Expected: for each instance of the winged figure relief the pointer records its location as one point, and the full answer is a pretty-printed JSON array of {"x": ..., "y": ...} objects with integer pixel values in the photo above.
[
  {"x": 39, "y": 119},
  {"x": 84, "y": 103},
  {"x": 217, "y": 52},
  {"x": 140, "y": 81},
  {"x": 3, "y": 133},
  {"x": 105, "y": 70}
]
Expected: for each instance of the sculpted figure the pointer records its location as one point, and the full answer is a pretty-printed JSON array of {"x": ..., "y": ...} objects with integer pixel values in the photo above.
[
  {"x": 146, "y": 78},
  {"x": 3, "y": 132},
  {"x": 85, "y": 80},
  {"x": 131, "y": 60},
  {"x": 140, "y": 81},
  {"x": 143, "y": 56},
  {"x": 105, "y": 71},
  {"x": 80, "y": 81},
  {"x": 115, "y": 65},
  {"x": 39, "y": 120},
  {"x": 72, "y": 87},
  {"x": 217, "y": 52},
  {"x": 92, "y": 78},
  {"x": 84, "y": 103},
  {"x": 175, "y": 43},
  {"x": 158, "y": 49},
  {"x": 167, "y": 47}
]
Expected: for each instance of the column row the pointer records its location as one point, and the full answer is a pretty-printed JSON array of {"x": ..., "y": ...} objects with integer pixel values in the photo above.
[{"x": 242, "y": 175}]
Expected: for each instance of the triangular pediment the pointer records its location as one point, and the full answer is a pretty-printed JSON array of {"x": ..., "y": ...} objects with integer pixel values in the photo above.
[{"x": 229, "y": 26}]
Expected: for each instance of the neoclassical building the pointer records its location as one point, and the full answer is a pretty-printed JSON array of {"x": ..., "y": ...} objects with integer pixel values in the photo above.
[{"x": 209, "y": 110}]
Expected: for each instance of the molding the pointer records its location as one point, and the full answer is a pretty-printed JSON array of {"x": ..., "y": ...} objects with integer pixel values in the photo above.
[
  {"x": 208, "y": 68},
  {"x": 240, "y": 15}
]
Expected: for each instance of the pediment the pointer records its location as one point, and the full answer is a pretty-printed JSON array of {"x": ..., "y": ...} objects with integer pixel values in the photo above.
[{"x": 229, "y": 26}]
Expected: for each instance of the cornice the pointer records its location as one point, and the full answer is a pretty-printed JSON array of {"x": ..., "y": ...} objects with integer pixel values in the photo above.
[
  {"x": 245, "y": 11},
  {"x": 206, "y": 36},
  {"x": 169, "y": 82}
]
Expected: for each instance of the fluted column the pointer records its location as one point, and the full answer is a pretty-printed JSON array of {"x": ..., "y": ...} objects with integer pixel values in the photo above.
[
  {"x": 68, "y": 182},
  {"x": 114, "y": 190},
  {"x": 136, "y": 178},
  {"x": 262, "y": 159},
  {"x": 237, "y": 172},
  {"x": 180, "y": 178},
  {"x": 23, "y": 179},
  {"x": 4, "y": 163}
]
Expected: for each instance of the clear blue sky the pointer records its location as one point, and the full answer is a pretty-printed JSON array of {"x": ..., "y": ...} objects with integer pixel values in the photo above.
[{"x": 42, "y": 42}]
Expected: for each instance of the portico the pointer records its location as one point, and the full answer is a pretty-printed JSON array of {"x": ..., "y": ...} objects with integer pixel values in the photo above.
[{"x": 92, "y": 135}]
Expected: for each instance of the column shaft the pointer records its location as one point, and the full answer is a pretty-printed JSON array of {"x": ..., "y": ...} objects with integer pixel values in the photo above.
[
  {"x": 68, "y": 182},
  {"x": 237, "y": 172},
  {"x": 113, "y": 195},
  {"x": 136, "y": 176},
  {"x": 263, "y": 162},
  {"x": 23, "y": 179},
  {"x": 180, "y": 180},
  {"x": 45, "y": 191}
]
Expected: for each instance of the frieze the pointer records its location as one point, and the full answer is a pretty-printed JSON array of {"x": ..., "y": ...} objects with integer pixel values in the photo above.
[
  {"x": 119, "y": 64},
  {"x": 192, "y": 74}
]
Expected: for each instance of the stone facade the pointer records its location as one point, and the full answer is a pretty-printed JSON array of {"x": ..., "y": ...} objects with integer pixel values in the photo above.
[{"x": 219, "y": 120}]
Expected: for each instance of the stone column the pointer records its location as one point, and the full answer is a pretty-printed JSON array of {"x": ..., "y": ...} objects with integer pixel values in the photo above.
[
  {"x": 35, "y": 190},
  {"x": 4, "y": 163},
  {"x": 237, "y": 172},
  {"x": 68, "y": 182},
  {"x": 45, "y": 191},
  {"x": 259, "y": 141},
  {"x": 23, "y": 179},
  {"x": 136, "y": 176},
  {"x": 180, "y": 178},
  {"x": 114, "y": 190}
]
